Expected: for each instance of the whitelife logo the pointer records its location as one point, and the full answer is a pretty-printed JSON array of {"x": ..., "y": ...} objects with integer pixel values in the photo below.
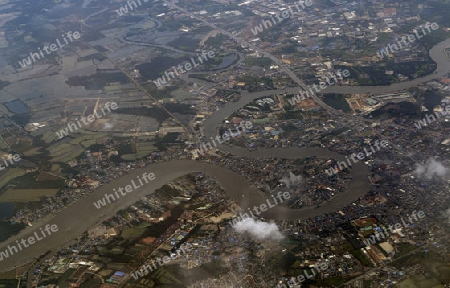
[
  {"x": 284, "y": 15},
  {"x": 91, "y": 118},
  {"x": 128, "y": 189},
  {"x": 35, "y": 56},
  {"x": 263, "y": 207},
  {"x": 165, "y": 260},
  {"x": 320, "y": 267},
  {"x": 322, "y": 85},
  {"x": 10, "y": 158},
  {"x": 411, "y": 38},
  {"x": 11, "y": 250},
  {"x": 204, "y": 147},
  {"x": 337, "y": 168},
  {"x": 161, "y": 81},
  {"x": 124, "y": 9},
  {"x": 397, "y": 226},
  {"x": 429, "y": 118}
]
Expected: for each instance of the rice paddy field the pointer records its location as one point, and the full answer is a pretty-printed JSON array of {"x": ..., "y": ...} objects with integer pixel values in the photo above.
[
  {"x": 26, "y": 195},
  {"x": 436, "y": 273},
  {"x": 9, "y": 175}
]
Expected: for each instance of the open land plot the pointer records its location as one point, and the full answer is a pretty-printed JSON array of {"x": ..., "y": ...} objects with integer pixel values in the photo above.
[
  {"x": 138, "y": 155},
  {"x": 9, "y": 175},
  {"x": 32, "y": 152},
  {"x": 132, "y": 233},
  {"x": 3, "y": 144},
  {"x": 55, "y": 168},
  {"x": 87, "y": 139},
  {"x": 12, "y": 274},
  {"x": 49, "y": 136},
  {"x": 26, "y": 195},
  {"x": 65, "y": 152},
  {"x": 125, "y": 123},
  {"x": 419, "y": 281}
]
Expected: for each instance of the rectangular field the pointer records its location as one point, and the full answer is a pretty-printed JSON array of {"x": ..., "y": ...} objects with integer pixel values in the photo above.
[
  {"x": 26, "y": 195},
  {"x": 9, "y": 175}
]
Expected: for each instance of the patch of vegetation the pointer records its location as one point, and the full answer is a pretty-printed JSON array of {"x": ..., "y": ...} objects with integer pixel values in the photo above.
[
  {"x": 9, "y": 283},
  {"x": 201, "y": 77},
  {"x": 328, "y": 282},
  {"x": 216, "y": 41},
  {"x": 21, "y": 119},
  {"x": 101, "y": 48},
  {"x": 95, "y": 56},
  {"x": 3, "y": 84},
  {"x": 337, "y": 101},
  {"x": 97, "y": 81},
  {"x": 377, "y": 74},
  {"x": 184, "y": 43},
  {"x": 404, "y": 248},
  {"x": 127, "y": 148},
  {"x": 167, "y": 140},
  {"x": 28, "y": 181},
  {"x": 91, "y": 35},
  {"x": 255, "y": 83},
  {"x": 359, "y": 255},
  {"x": 159, "y": 65},
  {"x": 258, "y": 61},
  {"x": 155, "y": 112},
  {"x": 288, "y": 49},
  {"x": 292, "y": 115},
  {"x": 184, "y": 109},
  {"x": 174, "y": 24},
  {"x": 431, "y": 99},
  {"x": 157, "y": 93}
]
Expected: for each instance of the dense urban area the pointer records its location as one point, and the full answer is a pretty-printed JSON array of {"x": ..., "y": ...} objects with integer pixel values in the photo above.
[{"x": 224, "y": 143}]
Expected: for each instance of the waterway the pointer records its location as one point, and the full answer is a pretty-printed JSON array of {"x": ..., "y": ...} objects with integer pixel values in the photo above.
[{"x": 83, "y": 215}]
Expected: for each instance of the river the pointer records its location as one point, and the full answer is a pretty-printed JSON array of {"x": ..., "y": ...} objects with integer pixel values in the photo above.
[{"x": 82, "y": 215}]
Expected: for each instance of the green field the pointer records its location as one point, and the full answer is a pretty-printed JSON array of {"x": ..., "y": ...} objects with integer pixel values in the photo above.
[
  {"x": 26, "y": 195},
  {"x": 65, "y": 152},
  {"x": 9, "y": 175},
  {"x": 9, "y": 283}
]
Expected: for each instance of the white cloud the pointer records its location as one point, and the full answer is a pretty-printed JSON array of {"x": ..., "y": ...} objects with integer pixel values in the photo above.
[
  {"x": 447, "y": 213},
  {"x": 257, "y": 229},
  {"x": 293, "y": 180},
  {"x": 431, "y": 168}
]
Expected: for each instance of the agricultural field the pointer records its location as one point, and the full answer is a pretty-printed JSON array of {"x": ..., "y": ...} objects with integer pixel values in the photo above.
[
  {"x": 143, "y": 151},
  {"x": 9, "y": 175},
  {"x": 87, "y": 139},
  {"x": 65, "y": 152},
  {"x": 3, "y": 144},
  {"x": 26, "y": 195},
  {"x": 420, "y": 281},
  {"x": 135, "y": 232},
  {"x": 72, "y": 148},
  {"x": 32, "y": 152},
  {"x": 436, "y": 272}
]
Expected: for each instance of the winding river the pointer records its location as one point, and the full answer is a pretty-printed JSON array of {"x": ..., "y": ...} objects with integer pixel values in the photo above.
[{"x": 83, "y": 215}]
